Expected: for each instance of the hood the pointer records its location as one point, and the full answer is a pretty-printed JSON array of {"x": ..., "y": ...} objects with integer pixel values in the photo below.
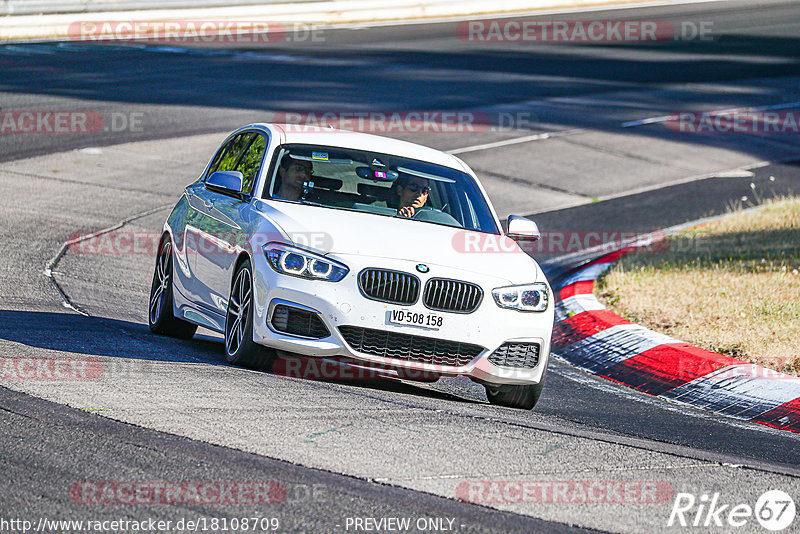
[{"x": 341, "y": 232}]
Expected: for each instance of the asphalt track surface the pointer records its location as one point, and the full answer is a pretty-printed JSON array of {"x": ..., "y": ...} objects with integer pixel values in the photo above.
[{"x": 173, "y": 411}]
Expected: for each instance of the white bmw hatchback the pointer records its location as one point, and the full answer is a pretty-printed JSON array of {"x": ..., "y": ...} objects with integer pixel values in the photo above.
[{"x": 335, "y": 244}]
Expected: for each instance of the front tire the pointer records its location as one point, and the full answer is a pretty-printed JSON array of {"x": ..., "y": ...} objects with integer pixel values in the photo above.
[
  {"x": 520, "y": 397},
  {"x": 240, "y": 349},
  {"x": 160, "y": 317}
]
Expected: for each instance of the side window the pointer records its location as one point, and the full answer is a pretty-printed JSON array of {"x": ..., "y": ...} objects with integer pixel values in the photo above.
[
  {"x": 235, "y": 149},
  {"x": 251, "y": 162},
  {"x": 217, "y": 158},
  {"x": 228, "y": 155}
]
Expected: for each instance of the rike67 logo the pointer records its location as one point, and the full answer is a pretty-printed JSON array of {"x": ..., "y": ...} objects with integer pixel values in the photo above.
[{"x": 774, "y": 510}]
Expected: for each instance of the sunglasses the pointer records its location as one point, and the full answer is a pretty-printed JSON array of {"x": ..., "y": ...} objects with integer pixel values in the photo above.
[{"x": 416, "y": 187}]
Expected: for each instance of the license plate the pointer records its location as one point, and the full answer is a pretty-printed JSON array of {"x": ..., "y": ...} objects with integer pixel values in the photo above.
[{"x": 431, "y": 321}]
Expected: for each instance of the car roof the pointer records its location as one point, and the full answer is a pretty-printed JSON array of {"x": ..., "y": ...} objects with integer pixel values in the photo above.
[{"x": 315, "y": 135}]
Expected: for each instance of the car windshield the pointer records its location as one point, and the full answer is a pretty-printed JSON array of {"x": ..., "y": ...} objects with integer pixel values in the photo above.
[{"x": 382, "y": 184}]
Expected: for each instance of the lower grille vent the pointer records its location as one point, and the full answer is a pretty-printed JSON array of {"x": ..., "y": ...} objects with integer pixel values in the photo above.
[
  {"x": 291, "y": 320},
  {"x": 525, "y": 355},
  {"x": 409, "y": 347}
]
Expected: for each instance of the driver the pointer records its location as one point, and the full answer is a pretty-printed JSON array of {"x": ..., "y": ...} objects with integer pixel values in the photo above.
[
  {"x": 292, "y": 174},
  {"x": 412, "y": 194}
]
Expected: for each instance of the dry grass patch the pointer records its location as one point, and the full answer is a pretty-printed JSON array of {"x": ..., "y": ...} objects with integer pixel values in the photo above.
[{"x": 731, "y": 286}]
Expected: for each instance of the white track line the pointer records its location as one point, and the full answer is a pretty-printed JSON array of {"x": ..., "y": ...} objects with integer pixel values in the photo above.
[
  {"x": 516, "y": 141},
  {"x": 664, "y": 118},
  {"x": 628, "y": 124}
]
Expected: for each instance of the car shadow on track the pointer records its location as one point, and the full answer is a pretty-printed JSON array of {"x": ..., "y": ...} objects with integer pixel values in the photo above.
[
  {"x": 70, "y": 333},
  {"x": 336, "y": 371},
  {"x": 99, "y": 336}
]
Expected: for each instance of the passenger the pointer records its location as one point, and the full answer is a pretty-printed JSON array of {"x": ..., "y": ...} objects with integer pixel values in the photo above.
[
  {"x": 411, "y": 193},
  {"x": 292, "y": 175}
]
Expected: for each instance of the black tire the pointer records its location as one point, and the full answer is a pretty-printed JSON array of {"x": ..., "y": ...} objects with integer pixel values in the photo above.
[
  {"x": 240, "y": 349},
  {"x": 160, "y": 317},
  {"x": 521, "y": 397}
]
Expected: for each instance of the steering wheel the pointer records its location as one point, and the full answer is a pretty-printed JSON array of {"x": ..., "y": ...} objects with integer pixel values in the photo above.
[{"x": 423, "y": 209}]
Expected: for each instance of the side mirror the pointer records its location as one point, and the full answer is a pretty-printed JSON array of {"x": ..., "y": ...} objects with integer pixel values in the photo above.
[
  {"x": 226, "y": 182},
  {"x": 522, "y": 228}
]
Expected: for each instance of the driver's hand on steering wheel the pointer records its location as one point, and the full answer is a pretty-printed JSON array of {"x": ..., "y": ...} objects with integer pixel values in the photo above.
[{"x": 407, "y": 211}]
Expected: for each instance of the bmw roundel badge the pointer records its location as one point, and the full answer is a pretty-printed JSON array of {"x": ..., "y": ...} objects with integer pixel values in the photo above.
[{"x": 422, "y": 268}]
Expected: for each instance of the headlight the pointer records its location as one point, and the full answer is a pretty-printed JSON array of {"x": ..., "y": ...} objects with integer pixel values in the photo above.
[
  {"x": 528, "y": 297},
  {"x": 294, "y": 261}
]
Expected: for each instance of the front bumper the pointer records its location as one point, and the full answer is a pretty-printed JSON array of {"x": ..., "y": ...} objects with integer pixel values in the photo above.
[{"x": 342, "y": 304}]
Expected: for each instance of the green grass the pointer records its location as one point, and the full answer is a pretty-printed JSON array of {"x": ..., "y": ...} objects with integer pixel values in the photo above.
[{"x": 732, "y": 286}]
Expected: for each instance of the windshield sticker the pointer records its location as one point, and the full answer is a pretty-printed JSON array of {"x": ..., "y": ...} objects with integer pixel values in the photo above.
[{"x": 320, "y": 156}]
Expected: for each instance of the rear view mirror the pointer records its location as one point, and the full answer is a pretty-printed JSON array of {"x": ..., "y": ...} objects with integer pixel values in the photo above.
[
  {"x": 377, "y": 175},
  {"x": 226, "y": 182},
  {"x": 522, "y": 228}
]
